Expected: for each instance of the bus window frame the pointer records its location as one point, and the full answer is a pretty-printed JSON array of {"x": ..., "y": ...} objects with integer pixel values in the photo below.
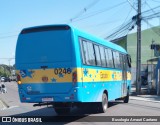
[
  {"x": 81, "y": 39},
  {"x": 82, "y": 50},
  {"x": 104, "y": 55},
  {"x": 96, "y": 56},
  {"x": 114, "y": 59}
]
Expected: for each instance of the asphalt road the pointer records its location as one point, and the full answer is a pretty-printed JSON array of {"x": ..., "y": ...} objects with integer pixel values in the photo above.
[{"x": 133, "y": 108}]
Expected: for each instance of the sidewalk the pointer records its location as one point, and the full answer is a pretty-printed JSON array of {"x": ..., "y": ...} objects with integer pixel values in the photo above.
[
  {"x": 145, "y": 95},
  {"x": 150, "y": 98},
  {"x": 9, "y": 99}
]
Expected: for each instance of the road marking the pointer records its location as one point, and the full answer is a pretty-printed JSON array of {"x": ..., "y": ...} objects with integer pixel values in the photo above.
[
  {"x": 4, "y": 105},
  {"x": 16, "y": 106},
  {"x": 11, "y": 107}
]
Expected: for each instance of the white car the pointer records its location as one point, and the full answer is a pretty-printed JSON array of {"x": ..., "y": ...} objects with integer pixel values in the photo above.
[{"x": 2, "y": 79}]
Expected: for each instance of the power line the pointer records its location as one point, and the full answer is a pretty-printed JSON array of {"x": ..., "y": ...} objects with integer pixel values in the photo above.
[
  {"x": 122, "y": 29},
  {"x": 111, "y": 21},
  {"x": 127, "y": 16},
  {"x": 131, "y": 5},
  {"x": 4, "y": 37},
  {"x": 101, "y": 24},
  {"x": 84, "y": 10},
  {"x": 151, "y": 26},
  {"x": 9, "y": 32},
  {"x": 7, "y": 58},
  {"x": 125, "y": 27},
  {"x": 151, "y": 16},
  {"x": 98, "y": 12},
  {"x": 156, "y": 1},
  {"x": 79, "y": 14},
  {"x": 150, "y": 12},
  {"x": 151, "y": 8}
]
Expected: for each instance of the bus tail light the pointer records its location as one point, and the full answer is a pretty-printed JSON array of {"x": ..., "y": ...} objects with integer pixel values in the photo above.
[
  {"x": 19, "y": 79},
  {"x": 74, "y": 78}
]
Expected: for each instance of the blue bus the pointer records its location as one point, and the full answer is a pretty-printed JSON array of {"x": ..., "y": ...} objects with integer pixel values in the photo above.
[{"x": 63, "y": 66}]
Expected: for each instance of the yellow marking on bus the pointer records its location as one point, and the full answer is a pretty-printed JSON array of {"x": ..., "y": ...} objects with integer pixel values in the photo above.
[{"x": 83, "y": 75}]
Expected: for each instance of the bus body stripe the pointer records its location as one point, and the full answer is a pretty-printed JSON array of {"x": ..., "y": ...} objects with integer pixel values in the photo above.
[{"x": 83, "y": 75}]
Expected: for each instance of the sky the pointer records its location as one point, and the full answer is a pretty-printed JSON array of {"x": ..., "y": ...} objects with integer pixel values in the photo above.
[{"x": 98, "y": 17}]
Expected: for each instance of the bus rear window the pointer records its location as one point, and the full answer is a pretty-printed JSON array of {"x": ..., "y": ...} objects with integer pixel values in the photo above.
[
  {"x": 44, "y": 46},
  {"x": 44, "y": 28}
]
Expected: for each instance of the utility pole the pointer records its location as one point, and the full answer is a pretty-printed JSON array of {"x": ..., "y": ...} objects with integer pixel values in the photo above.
[
  {"x": 10, "y": 67},
  {"x": 138, "y": 68}
]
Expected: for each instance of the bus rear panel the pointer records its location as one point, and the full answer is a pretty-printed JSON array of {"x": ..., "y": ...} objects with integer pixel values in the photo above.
[{"x": 45, "y": 65}]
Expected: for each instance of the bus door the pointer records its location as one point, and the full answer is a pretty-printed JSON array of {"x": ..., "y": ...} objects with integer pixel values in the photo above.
[{"x": 124, "y": 75}]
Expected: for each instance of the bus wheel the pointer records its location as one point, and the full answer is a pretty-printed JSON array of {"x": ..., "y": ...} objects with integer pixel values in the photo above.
[
  {"x": 62, "y": 111},
  {"x": 126, "y": 99},
  {"x": 104, "y": 104}
]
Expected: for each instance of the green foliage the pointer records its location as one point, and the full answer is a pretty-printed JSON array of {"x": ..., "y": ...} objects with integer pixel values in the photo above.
[{"x": 5, "y": 70}]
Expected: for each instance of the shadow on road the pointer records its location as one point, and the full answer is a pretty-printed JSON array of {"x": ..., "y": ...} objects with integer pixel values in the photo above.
[
  {"x": 76, "y": 115},
  {"x": 45, "y": 118},
  {"x": 114, "y": 103}
]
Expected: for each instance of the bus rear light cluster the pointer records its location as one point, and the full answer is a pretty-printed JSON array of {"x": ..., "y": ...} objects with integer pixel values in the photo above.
[
  {"x": 19, "y": 79},
  {"x": 74, "y": 77}
]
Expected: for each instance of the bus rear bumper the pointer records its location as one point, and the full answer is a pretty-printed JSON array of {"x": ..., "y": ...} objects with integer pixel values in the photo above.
[{"x": 49, "y": 98}]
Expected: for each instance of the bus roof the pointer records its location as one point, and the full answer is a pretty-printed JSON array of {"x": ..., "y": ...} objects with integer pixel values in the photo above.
[
  {"x": 98, "y": 40},
  {"x": 76, "y": 31}
]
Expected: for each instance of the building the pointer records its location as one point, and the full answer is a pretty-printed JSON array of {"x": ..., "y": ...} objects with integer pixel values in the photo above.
[{"x": 148, "y": 37}]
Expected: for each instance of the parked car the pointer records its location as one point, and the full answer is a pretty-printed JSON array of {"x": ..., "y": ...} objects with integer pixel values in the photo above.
[
  {"x": 13, "y": 78},
  {"x": 5, "y": 79},
  {"x": 2, "y": 79}
]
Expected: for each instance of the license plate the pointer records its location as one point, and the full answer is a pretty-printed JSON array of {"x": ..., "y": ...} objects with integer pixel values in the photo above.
[{"x": 47, "y": 99}]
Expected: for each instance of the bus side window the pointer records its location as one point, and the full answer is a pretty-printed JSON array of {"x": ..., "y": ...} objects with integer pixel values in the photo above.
[
  {"x": 97, "y": 54},
  {"x": 118, "y": 60},
  {"x": 82, "y": 51},
  {"x": 102, "y": 53},
  {"x": 91, "y": 54},
  {"x": 126, "y": 63},
  {"x": 114, "y": 58},
  {"x": 85, "y": 53},
  {"x": 121, "y": 61},
  {"x": 107, "y": 57},
  {"x": 110, "y": 55}
]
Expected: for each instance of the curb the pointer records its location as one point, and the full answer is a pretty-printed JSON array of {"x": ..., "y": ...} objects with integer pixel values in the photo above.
[{"x": 143, "y": 99}]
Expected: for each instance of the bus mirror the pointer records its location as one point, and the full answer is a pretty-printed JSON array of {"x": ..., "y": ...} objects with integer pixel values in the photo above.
[
  {"x": 129, "y": 65},
  {"x": 129, "y": 61}
]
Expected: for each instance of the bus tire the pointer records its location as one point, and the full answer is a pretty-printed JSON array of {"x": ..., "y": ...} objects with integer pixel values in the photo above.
[
  {"x": 62, "y": 111},
  {"x": 126, "y": 99},
  {"x": 104, "y": 104}
]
